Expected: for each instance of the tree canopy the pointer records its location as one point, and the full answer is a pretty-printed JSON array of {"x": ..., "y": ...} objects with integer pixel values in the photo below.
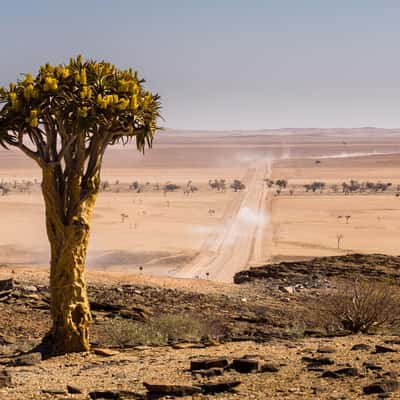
[{"x": 90, "y": 102}]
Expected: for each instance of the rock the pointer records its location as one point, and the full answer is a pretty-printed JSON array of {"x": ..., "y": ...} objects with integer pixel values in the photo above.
[
  {"x": 106, "y": 394},
  {"x": 382, "y": 387},
  {"x": 384, "y": 349},
  {"x": 5, "y": 379},
  {"x": 392, "y": 341},
  {"x": 141, "y": 314},
  {"x": 245, "y": 365},
  {"x": 6, "y": 284},
  {"x": 218, "y": 387},
  {"x": 269, "y": 367},
  {"x": 209, "y": 372},
  {"x": 361, "y": 346},
  {"x": 314, "y": 332},
  {"x": 183, "y": 346},
  {"x": 29, "y": 288},
  {"x": 207, "y": 363},
  {"x": 318, "y": 360},
  {"x": 4, "y": 340},
  {"x": 350, "y": 371},
  {"x": 171, "y": 389},
  {"x": 287, "y": 289},
  {"x": 27, "y": 359},
  {"x": 372, "y": 366},
  {"x": 74, "y": 389},
  {"x": 55, "y": 391},
  {"x": 326, "y": 349},
  {"x": 330, "y": 374},
  {"x": 105, "y": 352}
]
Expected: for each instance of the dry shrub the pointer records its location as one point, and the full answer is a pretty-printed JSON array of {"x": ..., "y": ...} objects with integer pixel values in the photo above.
[
  {"x": 361, "y": 306},
  {"x": 162, "y": 330}
]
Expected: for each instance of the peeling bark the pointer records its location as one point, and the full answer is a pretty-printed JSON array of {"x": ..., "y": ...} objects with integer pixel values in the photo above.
[{"x": 68, "y": 237}]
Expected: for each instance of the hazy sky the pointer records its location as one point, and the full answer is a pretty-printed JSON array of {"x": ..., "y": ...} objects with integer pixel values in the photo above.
[{"x": 227, "y": 64}]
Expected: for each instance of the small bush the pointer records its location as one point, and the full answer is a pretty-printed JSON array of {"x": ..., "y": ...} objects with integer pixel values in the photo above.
[
  {"x": 124, "y": 333},
  {"x": 360, "y": 306},
  {"x": 161, "y": 330}
]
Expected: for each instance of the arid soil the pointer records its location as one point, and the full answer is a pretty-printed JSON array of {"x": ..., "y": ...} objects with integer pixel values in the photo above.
[{"x": 291, "y": 354}]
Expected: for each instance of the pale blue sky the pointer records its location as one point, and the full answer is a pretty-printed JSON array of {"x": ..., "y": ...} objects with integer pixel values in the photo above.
[{"x": 227, "y": 64}]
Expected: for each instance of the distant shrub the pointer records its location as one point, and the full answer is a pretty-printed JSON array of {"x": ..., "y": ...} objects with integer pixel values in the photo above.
[
  {"x": 361, "y": 306},
  {"x": 170, "y": 187},
  {"x": 237, "y": 185}
]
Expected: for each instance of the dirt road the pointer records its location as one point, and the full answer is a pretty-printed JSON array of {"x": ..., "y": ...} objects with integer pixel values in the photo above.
[{"x": 243, "y": 237}]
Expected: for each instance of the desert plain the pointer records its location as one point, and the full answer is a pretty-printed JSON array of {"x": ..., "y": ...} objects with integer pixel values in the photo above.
[{"x": 210, "y": 233}]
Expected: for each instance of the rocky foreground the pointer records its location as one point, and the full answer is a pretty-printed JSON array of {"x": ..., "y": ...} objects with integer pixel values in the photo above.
[{"x": 256, "y": 340}]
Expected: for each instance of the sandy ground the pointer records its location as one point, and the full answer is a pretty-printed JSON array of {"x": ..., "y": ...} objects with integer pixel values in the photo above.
[
  {"x": 309, "y": 224},
  {"x": 175, "y": 235}
]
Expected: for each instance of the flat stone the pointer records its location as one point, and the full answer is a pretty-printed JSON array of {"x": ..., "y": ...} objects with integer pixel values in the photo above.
[
  {"x": 171, "y": 389},
  {"x": 55, "y": 391},
  {"x": 74, "y": 389},
  {"x": 208, "y": 363},
  {"x": 339, "y": 373},
  {"x": 105, "y": 352},
  {"x": 105, "y": 394},
  {"x": 384, "y": 349},
  {"x": 209, "y": 372},
  {"x": 269, "y": 367},
  {"x": 318, "y": 360},
  {"x": 372, "y": 366},
  {"x": 326, "y": 350},
  {"x": 361, "y": 346},
  {"x": 29, "y": 288},
  {"x": 183, "y": 346},
  {"x": 314, "y": 332},
  {"x": 245, "y": 365},
  {"x": 219, "y": 387},
  {"x": 382, "y": 387}
]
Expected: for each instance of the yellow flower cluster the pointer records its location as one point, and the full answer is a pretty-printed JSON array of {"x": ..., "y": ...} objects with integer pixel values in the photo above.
[
  {"x": 86, "y": 93},
  {"x": 128, "y": 86},
  {"x": 33, "y": 119},
  {"x": 81, "y": 77},
  {"x": 14, "y": 101},
  {"x": 62, "y": 72},
  {"x": 113, "y": 101},
  {"x": 50, "y": 84},
  {"x": 83, "y": 112}
]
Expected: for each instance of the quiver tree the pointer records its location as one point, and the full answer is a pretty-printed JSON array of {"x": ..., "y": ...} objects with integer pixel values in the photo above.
[{"x": 64, "y": 118}]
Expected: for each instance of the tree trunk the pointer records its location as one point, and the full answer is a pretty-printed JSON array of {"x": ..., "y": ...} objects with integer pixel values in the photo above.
[{"x": 70, "y": 310}]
